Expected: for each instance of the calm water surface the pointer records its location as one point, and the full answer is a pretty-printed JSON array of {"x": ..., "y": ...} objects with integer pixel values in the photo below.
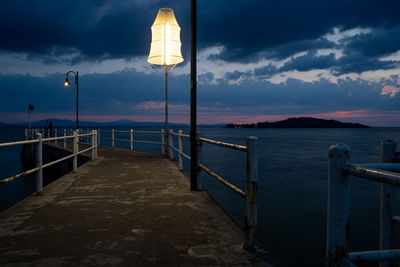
[{"x": 292, "y": 184}]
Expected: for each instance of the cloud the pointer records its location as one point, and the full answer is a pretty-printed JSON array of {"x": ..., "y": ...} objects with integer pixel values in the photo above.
[{"x": 390, "y": 90}]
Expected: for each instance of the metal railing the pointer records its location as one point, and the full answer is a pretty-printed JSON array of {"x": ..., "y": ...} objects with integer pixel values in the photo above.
[
  {"x": 340, "y": 168},
  {"x": 167, "y": 147},
  {"x": 251, "y": 182},
  {"x": 131, "y": 139},
  {"x": 39, "y": 153}
]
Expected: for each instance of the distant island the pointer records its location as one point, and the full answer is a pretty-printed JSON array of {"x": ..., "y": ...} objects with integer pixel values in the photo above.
[{"x": 302, "y": 122}]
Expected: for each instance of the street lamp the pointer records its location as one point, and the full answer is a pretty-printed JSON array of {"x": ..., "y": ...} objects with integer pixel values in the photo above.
[
  {"x": 165, "y": 47},
  {"x": 67, "y": 83}
]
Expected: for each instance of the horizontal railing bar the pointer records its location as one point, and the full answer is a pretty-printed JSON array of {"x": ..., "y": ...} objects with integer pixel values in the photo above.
[
  {"x": 82, "y": 135},
  {"x": 186, "y": 156},
  {"x": 396, "y": 219},
  {"x": 375, "y": 255},
  {"x": 125, "y": 140},
  {"x": 152, "y": 132},
  {"x": 185, "y": 135},
  {"x": 174, "y": 148},
  {"x": 19, "y": 143},
  {"x": 12, "y": 178},
  {"x": 218, "y": 143},
  {"x": 147, "y": 142},
  {"x": 375, "y": 175},
  {"x": 381, "y": 166},
  {"x": 121, "y": 131},
  {"x": 85, "y": 150},
  {"x": 57, "y": 161},
  {"x": 57, "y": 138},
  {"x": 222, "y": 180}
]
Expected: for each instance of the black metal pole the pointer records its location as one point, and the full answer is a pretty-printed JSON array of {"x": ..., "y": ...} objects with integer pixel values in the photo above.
[
  {"x": 166, "y": 108},
  {"x": 77, "y": 99},
  {"x": 193, "y": 97}
]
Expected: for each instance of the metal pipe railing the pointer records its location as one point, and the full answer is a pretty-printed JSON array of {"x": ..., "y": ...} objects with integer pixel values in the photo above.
[
  {"x": 338, "y": 215},
  {"x": 39, "y": 154},
  {"x": 167, "y": 146}
]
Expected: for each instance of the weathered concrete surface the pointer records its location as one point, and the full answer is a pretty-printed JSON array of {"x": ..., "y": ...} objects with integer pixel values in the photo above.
[{"x": 125, "y": 208}]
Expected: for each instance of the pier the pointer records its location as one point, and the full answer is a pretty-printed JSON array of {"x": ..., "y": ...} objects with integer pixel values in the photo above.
[{"x": 122, "y": 208}]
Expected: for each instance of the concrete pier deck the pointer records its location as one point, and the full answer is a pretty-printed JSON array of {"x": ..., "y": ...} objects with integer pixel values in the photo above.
[{"x": 125, "y": 208}]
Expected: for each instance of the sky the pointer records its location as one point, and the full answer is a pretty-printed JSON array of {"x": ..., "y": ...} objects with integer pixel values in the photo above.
[{"x": 258, "y": 60}]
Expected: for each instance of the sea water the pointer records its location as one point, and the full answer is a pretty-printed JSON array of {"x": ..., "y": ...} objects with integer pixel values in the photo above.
[{"x": 292, "y": 195}]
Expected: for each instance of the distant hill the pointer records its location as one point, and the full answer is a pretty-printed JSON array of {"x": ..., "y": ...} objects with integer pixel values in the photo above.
[
  {"x": 302, "y": 122},
  {"x": 117, "y": 123}
]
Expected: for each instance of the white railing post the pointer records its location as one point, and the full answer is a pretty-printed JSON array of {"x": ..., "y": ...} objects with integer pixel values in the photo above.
[
  {"x": 337, "y": 247},
  {"x": 250, "y": 216},
  {"x": 75, "y": 149},
  {"x": 199, "y": 182},
  {"x": 96, "y": 142},
  {"x": 170, "y": 144},
  {"x": 389, "y": 149},
  {"x": 112, "y": 137},
  {"x": 93, "y": 152},
  {"x": 39, "y": 164},
  {"x": 180, "y": 150},
  {"x": 162, "y": 142},
  {"x": 55, "y": 135},
  {"x": 132, "y": 139},
  {"x": 65, "y": 139}
]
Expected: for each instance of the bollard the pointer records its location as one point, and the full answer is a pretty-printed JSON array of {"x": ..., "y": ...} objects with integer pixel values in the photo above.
[
  {"x": 180, "y": 150},
  {"x": 389, "y": 149},
  {"x": 250, "y": 206},
  {"x": 170, "y": 144},
  {"x": 75, "y": 148},
  {"x": 112, "y": 138},
  {"x": 39, "y": 164},
  {"x": 55, "y": 135},
  {"x": 131, "y": 139},
  {"x": 162, "y": 142},
  {"x": 92, "y": 154},
  {"x": 199, "y": 182},
  {"x": 337, "y": 247}
]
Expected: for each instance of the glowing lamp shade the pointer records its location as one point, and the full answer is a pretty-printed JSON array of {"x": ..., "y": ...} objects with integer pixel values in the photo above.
[{"x": 166, "y": 42}]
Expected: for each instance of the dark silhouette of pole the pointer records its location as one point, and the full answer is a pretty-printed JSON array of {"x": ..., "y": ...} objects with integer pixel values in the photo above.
[
  {"x": 166, "y": 107},
  {"x": 193, "y": 97},
  {"x": 67, "y": 83},
  {"x": 77, "y": 100}
]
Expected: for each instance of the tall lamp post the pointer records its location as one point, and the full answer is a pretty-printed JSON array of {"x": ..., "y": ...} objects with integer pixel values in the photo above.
[
  {"x": 165, "y": 49},
  {"x": 193, "y": 96},
  {"x": 67, "y": 83}
]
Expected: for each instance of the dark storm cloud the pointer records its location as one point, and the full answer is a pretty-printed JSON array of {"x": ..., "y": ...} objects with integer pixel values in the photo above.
[
  {"x": 249, "y": 30},
  {"x": 266, "y": 71},
  {"x": 236, "y": 75},
  {"x": 97, "y": 28},
  {"x": 248, "y": 27},
  {"x": 309, "y": 61}
]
